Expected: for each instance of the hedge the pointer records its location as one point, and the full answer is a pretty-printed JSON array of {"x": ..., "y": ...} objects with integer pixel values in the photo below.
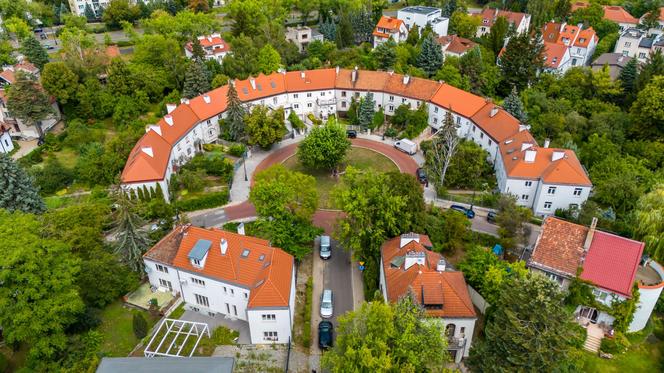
[
  {"x": 306, "y": 328},
  {"x": 205, "y": 201}
]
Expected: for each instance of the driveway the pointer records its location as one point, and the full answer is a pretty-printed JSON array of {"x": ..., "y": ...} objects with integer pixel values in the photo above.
[{"x": 220, "y": 320}]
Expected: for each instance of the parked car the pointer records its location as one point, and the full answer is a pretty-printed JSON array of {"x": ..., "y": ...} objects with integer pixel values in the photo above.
[
  {"x": 326, "y": 302},
  {"x": 49, "y": 47},
  {"x": 468, "y": 212},
  {"x": 491, "y": 217},
  {"x": 422, "y": 176},
  {"x": 38, "y": 30},
  {"x": 325, "y": 247},
  {"x": 325, "y": 334},
  {"x": 406, "y": 146},
  {"x": 351, "y": 134},
  {"x": 43, "y": 36}
]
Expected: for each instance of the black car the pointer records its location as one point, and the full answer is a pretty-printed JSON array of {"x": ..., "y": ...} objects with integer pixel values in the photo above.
[
  {"x": 468, "y": 212},
  {"x": 351, "y": 134},
  {"x": 491, "y": 217},
  {"x": 422, "y": 176},
  {"x": 325, "y": 331}
]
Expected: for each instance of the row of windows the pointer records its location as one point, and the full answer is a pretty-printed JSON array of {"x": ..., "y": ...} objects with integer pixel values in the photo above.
[
  {"x": 270, "y": 336},
  {"x": 269, "y": 317}
]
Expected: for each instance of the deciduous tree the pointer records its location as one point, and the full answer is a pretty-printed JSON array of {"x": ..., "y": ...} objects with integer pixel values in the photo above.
[
  {"x": 522, "y": 59},
  {"x": 513, "y": 222},
  {"x": 650, "y": 222},
  {"x": 59, "y": 81},
  {"x": 647, "y": 111},
  {"x": 269, "y": 59},
  {"x": 443, "y": 148},
  {"x": 324, "y": 147},
  {"x": 28, "y": 102},
  {"x": 118, "y": 11},
  {"x": 263, "y": 128}
]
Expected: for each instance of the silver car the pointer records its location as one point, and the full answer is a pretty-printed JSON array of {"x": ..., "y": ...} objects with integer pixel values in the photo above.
[
  {"x": 325, "y": 247},
  {"x": 326, "y": 302}
]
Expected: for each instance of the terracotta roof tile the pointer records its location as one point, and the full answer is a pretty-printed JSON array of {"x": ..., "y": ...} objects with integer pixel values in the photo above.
[
  {"x": 213, "y": 41},
  {"x": 489, "y": 16},
  {"x": 578, "y": 5},
  {"x": 554, "y": 54},
  {"x": 389, "y": 23},
  {"x": 310, "y": 80},
  {"x": 416, "y": 88},
  {"x": 148, "y": 159},
  {"x": 184, "y": 120},
  {"x": 500, "y": 126},
  {"x": 559, "y": 247},
  {"x": 165, "y": 250},
  {"x": 261, "y": 86},
  {"x": 458, "y": 100},
  {"x": 618, "y": 14},
  {"x": 216, "y": 105},
  {"x": 366, "y": 80},
  {"x": 456, "y": 44}
]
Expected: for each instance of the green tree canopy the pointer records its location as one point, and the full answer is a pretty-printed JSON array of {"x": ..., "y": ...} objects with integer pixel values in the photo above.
[
  {"x": 650, "y": 222},
  {"x": 131, "y": 240},
  {"x": 28, "y": 102},
  {"x": 522, "y": 59},
  {"x": 17, "y": 192},
  {"x": 324, "y": 147},
  {"x": 265, "y": 128},
  {"x": 118, "y": 11},
  {"x": 196, "y": 79},
  {"x": 34, "y": 51},
  {"x": 235, "y": 115},
  {"x": 513, "y": 222},
  {"x": 59, "y": 81},
  {"x": 648, "y": 112},
  {"x": 430, "y": 58},
  {"x": 269, "y": 59}
]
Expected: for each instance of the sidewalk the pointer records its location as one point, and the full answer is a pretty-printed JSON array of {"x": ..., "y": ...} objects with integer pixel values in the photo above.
[{"x": 357, "y": 284}]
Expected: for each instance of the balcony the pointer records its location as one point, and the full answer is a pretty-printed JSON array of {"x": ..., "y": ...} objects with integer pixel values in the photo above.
[
  {"x": 328, "y": 102},
  {"x": 455, "y": 343}
]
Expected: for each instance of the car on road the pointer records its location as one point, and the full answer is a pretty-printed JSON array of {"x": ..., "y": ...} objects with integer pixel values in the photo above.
[
  {"x": 351, "y": 134},
  {"x": 326, "y": 302},
  {"x": 325, "y": 247},
  {"x": 406, "y": 146},
  {"x": 491, "y": 217},
  {"x": 466, "y": 211},
  {"x": 325, "y": 334},
  {"x": 422, "y": 176},
  {"x": 49, "y": 47}
]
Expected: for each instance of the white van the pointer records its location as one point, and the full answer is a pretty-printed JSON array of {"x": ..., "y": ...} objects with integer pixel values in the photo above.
[
  {"x": 326, "y": 304},
  {"x": 406, "y": 146}
]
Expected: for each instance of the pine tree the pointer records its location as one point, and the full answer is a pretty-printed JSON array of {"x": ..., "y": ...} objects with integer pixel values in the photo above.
[
  {"x": 34, "y": 51},
  {"x": 344, "y": 36},
  {"x": 141, "y": 196},
  {"x": 56, "y": 14},
  {"x": 362, "y": 26},
  {"x": 235, "y": 115},
  {"x": 28, "y": 102},
  {"x": 472, "y": 66},
  {"x": 386, "y": 54},
  {"x": 329, "y": 29},
  {"x": 145, "y": 10},
  {"x": 140, "y": 325},
  {"x": 430, "y": 58},
  {"x": 146, "y": 193},
  {"x": 17, "y": 191},
  {"x": 159, "y": 192},
  {"x": 522, "y": 59},
  {"x": 352, "y": 112},
  {"x": 367, "y": 110},
  {"x": 132, "y": 242},
  {"x": 413, "y": 35},
  {"x": 449, "y": 8},
  {"x": 195, "y": 79},
  {"x": 197, "y": 49},
  {"x": 514, "y": 106},
  {"x": 153, "y": 193},
  {"x": 628, "y": 76},
  {"x": 89, "y": 13}
]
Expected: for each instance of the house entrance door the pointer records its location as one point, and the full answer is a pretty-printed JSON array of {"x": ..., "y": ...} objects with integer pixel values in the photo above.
[{"x": 589, "y": 313}]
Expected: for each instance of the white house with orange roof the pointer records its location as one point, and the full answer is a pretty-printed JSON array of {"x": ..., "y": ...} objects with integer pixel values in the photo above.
[
  {"x": 389, "y": 28},
  {"x": 488, "y": 16},
  {"x": 620, "y": 16},
  {"x": 580, "y": 42},
  {"x": 557, "y": 58},
  {"x": 214, "y": 46},
  {"x": 409, "y": 267},
  {"x": 659, "y": 29},
  {"x": 223, "y": 273},
  {"x": 455, "y": 46},
  {"x": 422, "y": 16}
]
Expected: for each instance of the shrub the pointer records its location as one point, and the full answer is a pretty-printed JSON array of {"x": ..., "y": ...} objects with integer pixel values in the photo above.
[
  {"x": 4, "y": 363},
  {"x": 237, "y": 150},
  {"x": 224, "y": 336},
  {"x": 52, "y": 177},
  {"x": 192, "y": 181},
  {"x": 616, "y": 345},
  {"x": 140, "y": 325},
  {"x": 178, "y": 312},
  {"x": 306, "y": 328},
  {"x": 206, "y": 201},
  {"x": 32, "y": 158},
  {"x": 391, "y": 132}
]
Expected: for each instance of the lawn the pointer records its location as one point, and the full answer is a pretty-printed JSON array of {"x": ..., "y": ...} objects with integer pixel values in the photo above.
[
  {"x": 117, "y": 330},
  {"x": 359, "y": 158}
]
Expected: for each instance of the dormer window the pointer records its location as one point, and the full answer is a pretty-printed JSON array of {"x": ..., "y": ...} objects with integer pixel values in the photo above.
[
  {"x": 199, "y": 253},
  {"x": 196, "y": 262}
]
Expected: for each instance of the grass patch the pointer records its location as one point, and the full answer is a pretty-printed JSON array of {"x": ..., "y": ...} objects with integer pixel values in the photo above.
[
  {"x": 303, "y": 317},
  {"x": 360, "y": 158},
  {"x": 178, "y": 312},
  {"x": 117, "y": 330}
]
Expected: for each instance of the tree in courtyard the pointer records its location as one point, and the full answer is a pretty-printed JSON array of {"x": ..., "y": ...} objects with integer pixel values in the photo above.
[
  {"x": 430, "y": 58},
  {"x": 530, "y": 330},
  {"x": 382, "y": 337},
  {"x": 17, "y": 192},
  {"x": 38, "y": 296},
  {"x": 495, "y": 39},
  {"x": 366, "y": 110},
  {"x": 648, "y": 112},
  {"x": 514, "y": 106},
  {"x": 522, "y": 59},
  {"x": 235, "y": 115},
  {"x": 443, "y": 148},
  {"x": 59, "y": 81},
  {"x": 324, "y": 147},
  {"x": 27, "y": 101},
  {"x": 34, "y": 51},
  {"x": 269, "y": 59},
  {"x": 386, "y": 54},
  {"x": 469, "y": 168},
  {"x": 512, "y": 220},
  {"x": 195, "y": 79},
  {"x": 285, "y": 201},
  {"x": 409, "y": 188},
  {"x": 265, "y": 128},
  {"x": 131, "y": 240},
  {"x": 650, "y": 222}
]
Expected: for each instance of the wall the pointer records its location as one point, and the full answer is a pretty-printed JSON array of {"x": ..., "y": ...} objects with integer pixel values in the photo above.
[
  {"x": 154, "y": 275},
  {"x": 648, "y": 296},
  {"x": 469, "y": 328},
  {"x": 563, "y": 198},
  {"x": 219, "y": 294},
  {"x": 258, "y": 326},
  {"x": 478, "y": 300}
]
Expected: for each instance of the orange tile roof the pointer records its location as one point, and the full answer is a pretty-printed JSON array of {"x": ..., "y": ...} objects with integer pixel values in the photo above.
[
  {"x": 267, "y": 271},
  {"x": 213, "y": 41},
  {"x": 618, "y": 14},
  {"x": 456, "y": 44},
  {"x": 148, "y": 159},
  {"x": 184, "y": 120},
  {"x": 366, "y": 80},
  {"x": 263, "y": 86},
  {"x": 489, "y": 16},
  {"x": 500, "y": 126},
  {"x": 217, "y": 104},
  {"x": 417, "y": 88},
  {"x": 112, "y": 51},
  {"x": 559, "y": 247},
  {"x": 458, "y": 100},
  {"x": 8, "y": 75},
  {"x": 313, "y": 80},
  {"x": 389, "y": 23},
  {"x": 554, "y": 54},
  {"x": 427, "y": 284},
  {"x": 578, "y": 5},
  {"x": 550, "y": 32},
  {"x": 585, "y": 36}
]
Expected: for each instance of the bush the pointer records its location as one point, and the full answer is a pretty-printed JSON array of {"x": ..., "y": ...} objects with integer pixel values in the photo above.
[
  {"x": 178, "y": 312},
  {"x": 391, "y": 132},
  {"x": 52, "y": 177},
  {"x": 32, "y": 158},
  {"x": 224, "y": 336},
  {"x": 206, "y": 201},
  {"x": 140, "y": 325},
  {"x": 616, "y": 345},
  {"x": 237, "y": 150},
  {"x": 192, "y": 181},
  {"x": 306, "y": 328}
]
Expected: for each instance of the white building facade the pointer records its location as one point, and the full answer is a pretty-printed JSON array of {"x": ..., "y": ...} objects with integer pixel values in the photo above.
[{"x": 423, "y": 16}]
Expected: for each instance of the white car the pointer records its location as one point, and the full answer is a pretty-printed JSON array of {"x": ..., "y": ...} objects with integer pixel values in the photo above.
[{"x": 326, "y": 302}]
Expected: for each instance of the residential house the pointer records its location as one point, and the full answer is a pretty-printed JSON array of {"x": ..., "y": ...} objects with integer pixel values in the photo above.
[
  {"x": 456, "y": 46},
  {"x": 423, "y": 16},
  {"x": 488, "y": 16},
  {"x": 557, "y": 58},
  {"x": 77, "y": 7},
  {"x": 302, "y": 36},
  {"x": 659, "y": 29},
  {"x": 408, "y": 267},
  {"x": 389, "y": 28},
  {"x": 610, "y": 263},
  {"x": 615, "y": 62},
  {"x": 580, "y": 42},
  {"x": 620, "y": 16},
  {"x": 219, "y": 272},
  {"x": 6, "y": 145},
  {"x": 214, "y": 46},
  {"x": 636, "y": 43}
]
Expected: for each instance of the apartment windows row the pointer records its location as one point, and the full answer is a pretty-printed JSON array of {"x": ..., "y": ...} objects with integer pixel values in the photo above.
[
  {"x": 202, "y": 300},
  {"x": 228, "y": 309},
  {"x": 269, "y": 317},
  {"x": 270, "y": 336},
  {"x": 197, "y": 281},
  {"x": 161, "y": 268}
]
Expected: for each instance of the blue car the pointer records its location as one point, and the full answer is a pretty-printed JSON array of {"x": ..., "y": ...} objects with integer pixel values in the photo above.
[{"x": 468, "y": 212}]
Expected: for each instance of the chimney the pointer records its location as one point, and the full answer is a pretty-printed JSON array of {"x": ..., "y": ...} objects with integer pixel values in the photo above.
[
  {"x": 523, "y": 127},
  {"x": 353, "y": 75},
  {"x": 557, "y": 154},
  {"x": 526, "y": 145},
  {"x": 440, "y": 267},
  {"x": 530, "y": 156},
  {"x": 302, "y": 74},
  {"x": 589, "y": 236},
  {"x": 206, "y": 98},
  {"x": 407, "y": 237},
  {"x": 494, "y": 111},
  {"x": 240, "y": 229},
  {"x": 547, "y": 142},
  {"x": 406, "y": 79},
  {"x": 184, "y": 100},
  {"x": 391, "y": 72},
  {"x": 169, "y": 119},
  {"x": 337, "y": 70},
  {"x": 414, "y": 257},
  {"x": 224, "y": 246},
  {"x": 170, "y": 108},
  {"x": 252, "y": 81},
  {"x": 148, "y": 150}
]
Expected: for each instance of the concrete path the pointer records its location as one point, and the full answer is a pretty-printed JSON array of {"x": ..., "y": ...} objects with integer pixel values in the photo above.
[
  {"x": 26, "y": 147},
  {"x": 220, "y": 320}
]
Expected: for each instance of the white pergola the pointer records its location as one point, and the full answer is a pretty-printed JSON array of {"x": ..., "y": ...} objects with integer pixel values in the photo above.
[{"x": 176, "y": 333}]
